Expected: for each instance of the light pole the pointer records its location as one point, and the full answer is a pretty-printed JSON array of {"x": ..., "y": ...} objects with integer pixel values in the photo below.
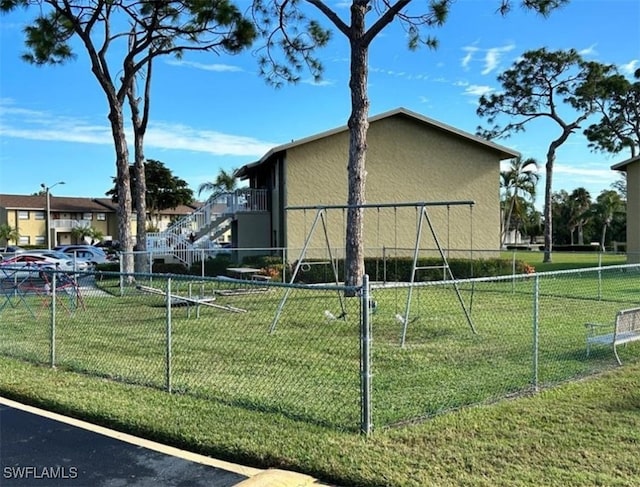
[{"x": 47, "y": 190}]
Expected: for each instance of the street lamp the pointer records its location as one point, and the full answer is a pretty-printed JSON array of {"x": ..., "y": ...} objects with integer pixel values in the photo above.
[{"x": 47, "y": 190}]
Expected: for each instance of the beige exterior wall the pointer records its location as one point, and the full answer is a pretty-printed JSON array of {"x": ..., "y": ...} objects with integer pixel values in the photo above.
[
  {"x": 406, "y": 162},
  {"x": 33, "y": 230},
  {"x": 633, "y": 212}
]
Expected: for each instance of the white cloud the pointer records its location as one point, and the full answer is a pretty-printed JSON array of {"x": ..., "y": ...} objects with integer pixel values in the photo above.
[
  {"x": 585, "y": 172},
  {"x": 322, "y": 82},
  {"x": 182, "y": 137},
  {"x": 477, "y": 90},
  {"x": 630, "y": 67},
  {"x": 218, "y": 68},
  {"x": 589, "y": 51},
  {"x": 28, "y": 124},
  {"x": 493, "y": 57},
  {"x": 470, "y": 50}
]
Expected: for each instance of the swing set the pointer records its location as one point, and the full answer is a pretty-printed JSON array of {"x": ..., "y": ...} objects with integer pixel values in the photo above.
[{"x": 422, "y": 215}]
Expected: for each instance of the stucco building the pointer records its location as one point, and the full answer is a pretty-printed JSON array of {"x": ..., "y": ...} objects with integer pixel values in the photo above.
[
  {"x": 632, "y": 168},
  {"x": 28, "y": 214},
  {"x": 410, "y": 158}
]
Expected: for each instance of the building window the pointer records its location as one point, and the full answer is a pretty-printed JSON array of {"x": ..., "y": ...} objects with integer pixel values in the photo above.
[
  {"x": 101, "y": 216},
  {"x": 23, "y": 215},
  {"x": 41, "y": 240},
  {"x": 87, "y": 216},
  {"x": 24, "y": 240},
  {"x": 38, "y": 215}
]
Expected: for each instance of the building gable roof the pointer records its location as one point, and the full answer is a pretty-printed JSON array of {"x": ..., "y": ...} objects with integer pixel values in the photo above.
[
  {"x": 622, "y": 166},
  {"x": 69, "y": 204},
  {"x": 57, "y": 203},
  {"x": 504, "y": 152}
]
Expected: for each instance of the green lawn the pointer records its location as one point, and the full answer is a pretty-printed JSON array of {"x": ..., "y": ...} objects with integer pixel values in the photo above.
[
  {"x": 565, "y": 260},
  {"x": 309, "y": 368},
  {"x": 577, "y": 434},
  {"x": 291, "y": 399}
]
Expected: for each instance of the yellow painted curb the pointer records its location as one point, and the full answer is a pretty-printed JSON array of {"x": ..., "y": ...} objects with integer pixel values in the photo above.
[{"x": 277, "y": 478}]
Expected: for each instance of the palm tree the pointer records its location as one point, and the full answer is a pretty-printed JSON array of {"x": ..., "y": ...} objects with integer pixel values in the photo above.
[
  {"x": 579, "y": 205},
  {"x": 519, "y": 185},
  {"x": 79, "y": 233},
  {"x": 608, "y": 205},
  {"x": 8, "y": 233},
  {"x": 225, "y": 182}
]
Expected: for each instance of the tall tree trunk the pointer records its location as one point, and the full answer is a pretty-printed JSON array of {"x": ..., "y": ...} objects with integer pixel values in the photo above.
[
  {"x": 141, "y": 207},
  {"x": 358, "y": 126},
  {"x": 122, "y": 185},
  {"x": 140, "y": 121},
  {"x": 548, "y": 206},
  {"x": 507, "y": 224},
  {"x": 580, "y": 234},
  {"x": 548, "y": 215}
]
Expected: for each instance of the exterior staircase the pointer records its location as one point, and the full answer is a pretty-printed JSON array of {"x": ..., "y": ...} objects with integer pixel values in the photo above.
[{"x": 200, "y": 230}]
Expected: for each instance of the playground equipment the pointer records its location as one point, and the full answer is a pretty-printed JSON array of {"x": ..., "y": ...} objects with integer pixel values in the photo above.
[{"x": 421, "y": 209}]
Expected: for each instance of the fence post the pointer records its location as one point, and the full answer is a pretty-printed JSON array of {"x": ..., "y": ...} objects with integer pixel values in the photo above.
[
  {"x": 365, "y": 359},
  {"x": 52, "y": 348},
  {"x": 599, "y": 276},
  {"x": 536, "y": 309},
  {"x": 121, "y": 274},
  {"x": 284, "y": 264},
  {"x": 167, "y": 376},
  {"x": 150, "y": 268},
  {"x": 513, "y": 272},
  {"x": 202, "y": 262}
]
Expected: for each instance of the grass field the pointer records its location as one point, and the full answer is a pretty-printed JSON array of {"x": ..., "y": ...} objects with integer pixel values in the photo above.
[
  {"x": 309, "y": 368},
  {"x": 290, "y": 399},
  {"x": 565, "y": 260}
]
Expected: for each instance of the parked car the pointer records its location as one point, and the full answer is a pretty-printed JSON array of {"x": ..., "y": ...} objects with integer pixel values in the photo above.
[
  {"x": 30, "y": 262},
  {"x": 85, "y": 253},
  {"x": 11, "y": 249},
  {"x": 109, "y": 244}
]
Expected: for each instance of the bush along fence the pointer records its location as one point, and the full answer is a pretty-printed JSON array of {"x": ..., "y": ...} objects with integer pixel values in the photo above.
[{"x": 391, "y": 354}]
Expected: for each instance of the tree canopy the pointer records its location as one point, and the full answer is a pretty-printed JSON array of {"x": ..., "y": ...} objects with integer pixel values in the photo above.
[
  {"x": 163, "y": 189},
  {"x": 121, "y": 39},
  {"x": 291, "y": 40},
  {"x": 224, "y": 182},
  {"x": 618, "y": 105},
  {"x": 556, "y": 86}
]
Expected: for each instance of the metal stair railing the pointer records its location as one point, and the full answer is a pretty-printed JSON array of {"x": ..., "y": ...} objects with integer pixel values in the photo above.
[{"x": 204, "y": 222}]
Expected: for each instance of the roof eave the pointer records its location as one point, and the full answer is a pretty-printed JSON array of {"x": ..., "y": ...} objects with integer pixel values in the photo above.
[{"x": 622, "y": 166}]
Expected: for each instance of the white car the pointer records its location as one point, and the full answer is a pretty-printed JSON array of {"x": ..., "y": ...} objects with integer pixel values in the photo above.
[
  {"x": 85, "y": 253},
  {"x": 31, "y": 262}
]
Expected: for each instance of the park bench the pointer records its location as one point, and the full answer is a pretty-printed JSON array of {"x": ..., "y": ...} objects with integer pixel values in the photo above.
[{"x": 626, "y": 328}]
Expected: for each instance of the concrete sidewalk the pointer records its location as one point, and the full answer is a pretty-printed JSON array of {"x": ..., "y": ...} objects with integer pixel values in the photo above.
[{"x": 43, "y": 449}]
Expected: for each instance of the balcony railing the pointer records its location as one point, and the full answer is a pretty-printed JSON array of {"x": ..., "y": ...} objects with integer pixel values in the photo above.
[{"x": 64, "y": 224}]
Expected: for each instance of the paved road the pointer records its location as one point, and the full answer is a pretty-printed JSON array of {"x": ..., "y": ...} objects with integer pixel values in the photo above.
[{"x": 38, "y": 451}]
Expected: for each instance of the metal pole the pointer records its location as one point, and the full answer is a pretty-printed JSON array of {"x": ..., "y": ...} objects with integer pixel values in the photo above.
[
  {"x": 120, "y": 257},
  {"x": 599, "y": 276},
  {"x": 536, "y": 325},
  {"x": 168, "y": 339},
  {"x": 53, "y": 321},
  {"x": 365, "y": 359},
  {"x": 48, "y": 219},
  {"x": 47, "y": 191},
  {"x": 513, "y": 272}
]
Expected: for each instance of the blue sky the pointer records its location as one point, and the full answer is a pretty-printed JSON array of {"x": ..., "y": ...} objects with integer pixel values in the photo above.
[{"x": 214, "y": 112}]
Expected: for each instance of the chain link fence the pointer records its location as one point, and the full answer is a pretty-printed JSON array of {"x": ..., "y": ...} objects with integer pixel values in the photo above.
[
  {"x": 480, "y": 340},
  {"x": 346, "y": 358}
]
